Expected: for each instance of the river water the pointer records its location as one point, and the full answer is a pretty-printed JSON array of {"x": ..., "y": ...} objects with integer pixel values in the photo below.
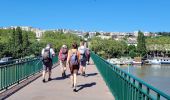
[{"x": 155, "y": 75}]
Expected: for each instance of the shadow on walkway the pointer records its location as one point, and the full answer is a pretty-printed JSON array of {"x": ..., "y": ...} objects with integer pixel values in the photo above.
[
  {"x": 85, "y": 86},
  {"x": 91, "y": 74},
  {"x": 61, "y": 78}
]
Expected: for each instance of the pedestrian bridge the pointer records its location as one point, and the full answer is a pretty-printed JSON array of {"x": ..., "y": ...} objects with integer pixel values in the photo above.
[{"x": 104, "y": 81}]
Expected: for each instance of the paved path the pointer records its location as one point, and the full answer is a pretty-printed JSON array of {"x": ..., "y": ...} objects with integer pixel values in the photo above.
[{"x": 91, "y": 87}]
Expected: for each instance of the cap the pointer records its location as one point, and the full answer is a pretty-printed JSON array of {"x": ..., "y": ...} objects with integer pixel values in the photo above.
[
  {"x": 48, "y": 46},
  {"x": 64, "y": 46}
]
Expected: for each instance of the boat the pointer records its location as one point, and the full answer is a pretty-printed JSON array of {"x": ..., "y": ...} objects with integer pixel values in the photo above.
[
  {"x": 159, "y": 60},
  {"x": 136, "y": 62},
  {"x": 5, "y": 60}
]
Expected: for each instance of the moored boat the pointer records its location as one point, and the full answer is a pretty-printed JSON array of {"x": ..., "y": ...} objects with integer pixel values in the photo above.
[{"x": 159, "y": 60}]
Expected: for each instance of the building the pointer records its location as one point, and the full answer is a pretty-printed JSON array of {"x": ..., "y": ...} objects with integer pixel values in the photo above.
[{"x": 37, "y": 31}]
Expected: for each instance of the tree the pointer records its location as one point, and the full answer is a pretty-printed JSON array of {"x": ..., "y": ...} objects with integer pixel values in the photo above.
[
  {"x": 97, "y": 33},
  {"x": 25, "y": 44},
  {"x": 57, "y": 39},
  {"x": 132, "y": 53},
  {"x": 108, "y": 48},
  {"x": 18, "y": 42},
  {"x": 86, "y": 35},
  {"x": 141, "y": 47}
]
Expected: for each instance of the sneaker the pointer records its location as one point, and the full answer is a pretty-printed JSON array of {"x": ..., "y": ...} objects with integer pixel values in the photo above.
[
  {"x": 64, "y": 74},
  {"x": 49, "y": 79},
  {"x": 74, "y": 89},
  {"x": 43, "y": 80},
  {"x": 83, "y": 74}
]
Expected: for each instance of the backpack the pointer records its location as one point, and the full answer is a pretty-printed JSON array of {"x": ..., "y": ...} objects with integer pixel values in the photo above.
[
  {"x": 87, "y": 52},
  {"x": 63, "y": 54},
  {"x": 82, "y": 54},
  {"x": 46, "y": 56},
  {"x": 74, "y": 59}
]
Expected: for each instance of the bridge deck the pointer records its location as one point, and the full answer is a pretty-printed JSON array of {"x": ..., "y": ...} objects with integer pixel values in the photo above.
[{"x": 91, "y": 87}]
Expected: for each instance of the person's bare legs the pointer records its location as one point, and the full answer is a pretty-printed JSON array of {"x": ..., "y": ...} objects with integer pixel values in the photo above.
[
  {"x": 63, "y": 68},
  {"x": 49, "y": 73},
  {"x": 84, "y": 69},
  {"x": 74, "y": 80},
  {"x": 81, "y": 69},
  {"x": 43, "y": 74}
]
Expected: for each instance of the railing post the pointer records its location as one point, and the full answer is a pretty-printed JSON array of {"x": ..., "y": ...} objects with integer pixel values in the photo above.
[
  {"x": 140, "y": 88},
  {"x": 148, "y": 92},
  {"x": 158, "y": 96}
]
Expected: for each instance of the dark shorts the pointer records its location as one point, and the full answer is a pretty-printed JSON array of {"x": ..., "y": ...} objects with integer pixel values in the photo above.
[
  {"x": 47, "y": 66},
  {"x": 83, "y": 63},
  {"x": 88, "y": 57},
  {"x": 74, "y": 69}
]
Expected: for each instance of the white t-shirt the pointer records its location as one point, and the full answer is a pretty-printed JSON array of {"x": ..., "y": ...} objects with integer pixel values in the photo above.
[{"x": 82, "y": 48}]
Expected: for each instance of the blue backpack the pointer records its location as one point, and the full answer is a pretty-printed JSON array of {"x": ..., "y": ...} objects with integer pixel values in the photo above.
[{"x": 74, "y": 59}]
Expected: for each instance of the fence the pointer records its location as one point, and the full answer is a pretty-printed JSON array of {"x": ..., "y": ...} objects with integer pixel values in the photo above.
[
  {"x": 125, "y": 86},
  {"x": 15, "y": 72}
]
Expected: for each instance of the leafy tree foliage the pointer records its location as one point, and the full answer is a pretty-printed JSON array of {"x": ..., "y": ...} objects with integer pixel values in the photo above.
[
  {"x": 108, "y": 48},
  {"x": 141, "y": 47},
  {"x": 19, "y": 43},
  {"x": 57, "y": 39},
  {"x": 16, "y": 42}
]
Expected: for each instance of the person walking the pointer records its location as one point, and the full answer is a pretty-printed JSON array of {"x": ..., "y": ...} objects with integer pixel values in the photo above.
[
  {"x": 47, "y": 55},
  {"x": 73, "y": 61},
  {"x": 88, "y": 56},
  {"x": 63, "y": 58},
  {"x": 83, "y": 58}
]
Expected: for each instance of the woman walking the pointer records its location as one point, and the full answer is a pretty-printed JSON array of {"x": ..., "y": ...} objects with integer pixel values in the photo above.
[{"x": 73, "y": 61}]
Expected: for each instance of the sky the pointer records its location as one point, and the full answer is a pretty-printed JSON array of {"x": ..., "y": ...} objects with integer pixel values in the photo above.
[{"x": 88, "y": 15}]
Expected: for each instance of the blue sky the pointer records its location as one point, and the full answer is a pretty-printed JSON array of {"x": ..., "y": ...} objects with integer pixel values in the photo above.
[{"x": 88, "y": 15}]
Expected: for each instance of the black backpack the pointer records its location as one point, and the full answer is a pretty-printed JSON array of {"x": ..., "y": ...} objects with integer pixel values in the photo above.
[{"x": 46, "y": 56}]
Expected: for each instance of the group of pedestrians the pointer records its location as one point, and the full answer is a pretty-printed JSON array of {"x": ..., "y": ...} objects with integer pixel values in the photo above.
[{"x": 75, "y": 59}]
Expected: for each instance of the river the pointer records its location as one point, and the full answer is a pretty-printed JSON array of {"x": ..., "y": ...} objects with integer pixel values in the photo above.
[{"x": 156, "y": 75}]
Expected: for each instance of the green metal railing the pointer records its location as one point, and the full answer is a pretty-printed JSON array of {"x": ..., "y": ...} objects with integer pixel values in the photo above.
[
  {"x": 13, "y": 73},
  {"x": 125, "y": 86}
]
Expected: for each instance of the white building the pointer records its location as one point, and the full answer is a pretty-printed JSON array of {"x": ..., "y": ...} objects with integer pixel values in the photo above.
[{"x": 37, "y": 31}]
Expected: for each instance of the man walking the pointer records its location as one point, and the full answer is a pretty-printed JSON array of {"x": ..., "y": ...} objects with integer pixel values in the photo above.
[
  {"x": 47, "y": 55},
  {"x": 83, "y": 58}
]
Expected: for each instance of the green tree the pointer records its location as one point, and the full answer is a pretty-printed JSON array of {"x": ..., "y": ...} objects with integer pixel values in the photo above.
[
  {"x": 97, "y": 33},
  {"x": 108, "y": 48},
  {"x": 86, "y": 35},
  {"x": 25, "y": 44},
  {"x": 132, "y": 53},
  {"x": 57, "y": 39},
  {"x": 18, "y": 42},
  {"x": 141, "y": 47}
]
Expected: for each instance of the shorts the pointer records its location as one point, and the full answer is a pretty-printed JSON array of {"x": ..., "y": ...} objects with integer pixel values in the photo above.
[
  {"x": 83, "y": 63},
  {"x": 47, "y": 66},
  {"x": 88, "y": 58},
  {"x": 74, "y": 69}
]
